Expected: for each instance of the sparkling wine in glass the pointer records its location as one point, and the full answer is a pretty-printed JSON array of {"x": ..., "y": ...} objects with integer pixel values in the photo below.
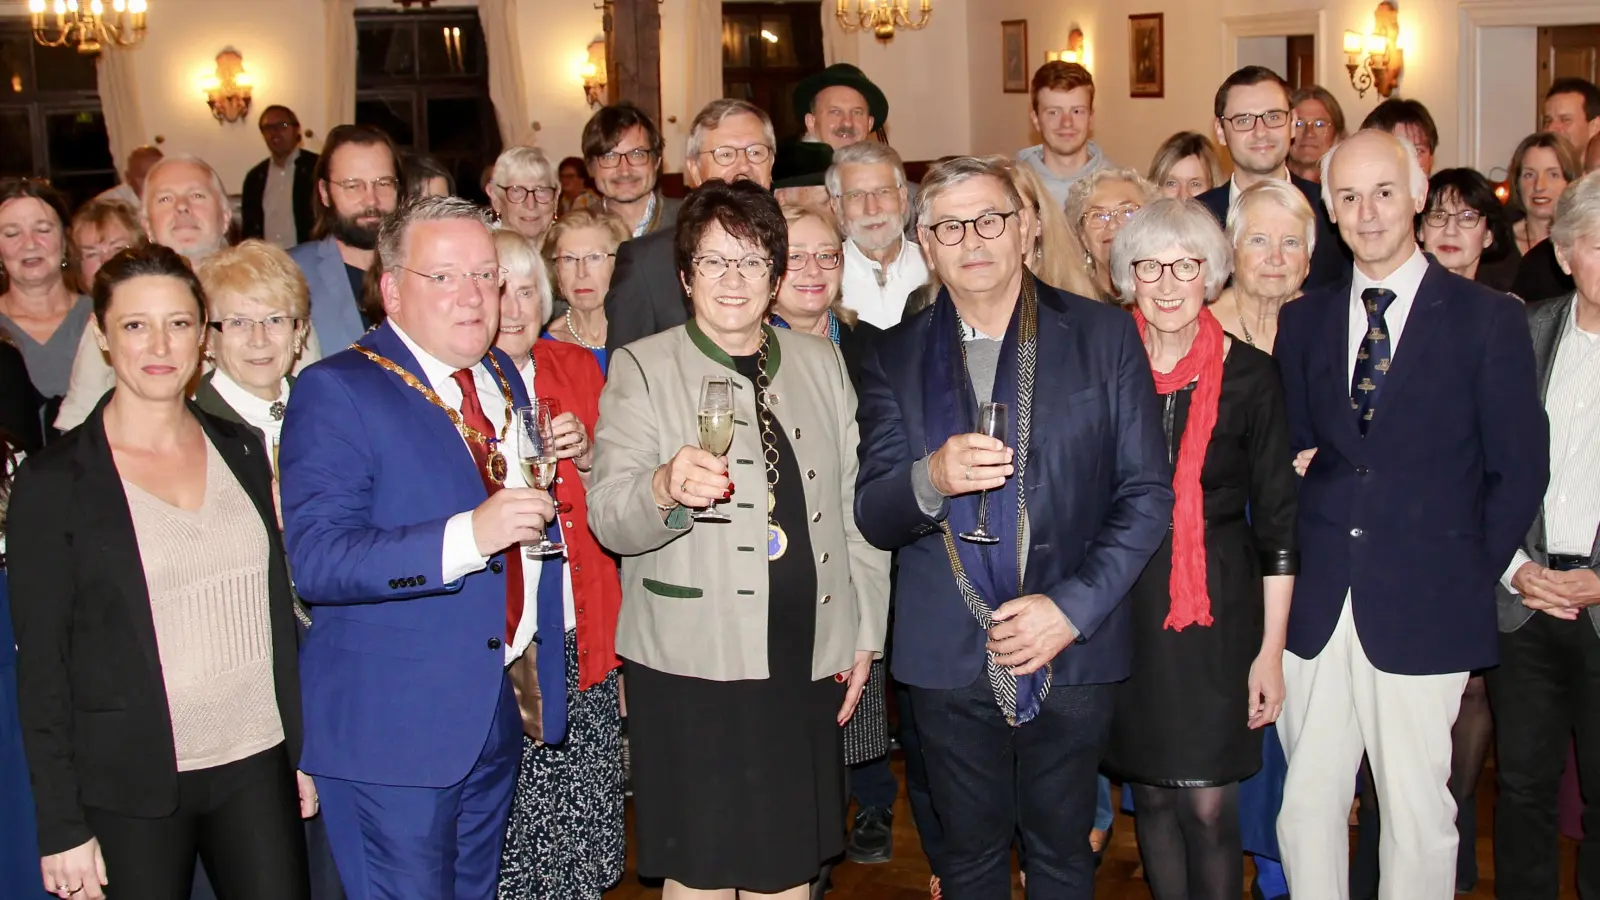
[
  {"x": 992, "y": 421},
  {"x": 536, "y": 455},
  {"x": 548, "y": 410},
  {"x": 716, "y": 430}
]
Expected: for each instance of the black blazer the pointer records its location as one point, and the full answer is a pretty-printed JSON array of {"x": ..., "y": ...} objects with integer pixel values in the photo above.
[
  {"x": 1539, "y": 275},
  {"x": 93, "y": 703},
  {"x": 645, "y": 297},
  {"x": 1331, "y": 260},
  {"x": 254, "y": 224},
  {"x": 20, "y": 403}
]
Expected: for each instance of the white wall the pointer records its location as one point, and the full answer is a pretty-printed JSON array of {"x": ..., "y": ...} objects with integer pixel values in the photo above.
[
  {"x": 1272, "y": 52},
  {"x": 1506, "y": 113}
]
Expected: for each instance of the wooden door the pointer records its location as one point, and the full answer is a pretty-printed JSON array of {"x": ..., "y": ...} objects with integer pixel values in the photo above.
[
  {"x": 1569, "y": 51},
  {"x": 1302, "y": 61}
]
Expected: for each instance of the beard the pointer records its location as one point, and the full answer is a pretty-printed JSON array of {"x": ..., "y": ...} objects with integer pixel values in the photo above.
[
  {"x": 349, "y": 231},
  {"x": 880, "y": 238}
]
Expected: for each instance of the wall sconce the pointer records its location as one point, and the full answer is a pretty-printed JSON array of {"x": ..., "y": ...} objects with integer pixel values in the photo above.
[
  {"x": 594, "y": 74},
  {"x": 1375, "y": 60},
  {"x": 1073, "y": 53},
  {"x": 228, "y": 90}
]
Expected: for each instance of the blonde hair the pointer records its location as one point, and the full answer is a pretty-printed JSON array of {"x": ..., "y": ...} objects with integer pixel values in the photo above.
[
  {"x": 1057, "y": 252},
  {"x": 1180, "y": 147},
  {"x": 520, "y": 260},
  {"x": 794, "y": 213},
  {"x": 1281, "y": 194},
  {"x": 102, "y": 211},
  {"x": 587, "y": 217},
  {"x": 258, "y": 270}
]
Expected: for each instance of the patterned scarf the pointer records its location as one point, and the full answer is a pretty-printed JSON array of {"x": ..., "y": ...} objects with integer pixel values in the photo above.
[{"x": 833, "y": 325}]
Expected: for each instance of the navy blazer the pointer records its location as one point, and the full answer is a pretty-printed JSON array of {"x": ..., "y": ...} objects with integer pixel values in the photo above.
[
  {"x": 1099, "y": 492},
  {"x": 335, "y": 309},
  {"x": 1330, "y": 258},
  {"x": 1417, "y": 520},
  {"x": 402, "y": 671}
]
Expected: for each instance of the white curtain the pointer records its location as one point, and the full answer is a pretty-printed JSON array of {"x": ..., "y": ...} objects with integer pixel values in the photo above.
[
  {"x": 703, "y": 79},
  {"x": 838, "y": 45},
  {"x": 499, "y": 18},
  {"x": 341, "y": 62},
  {"x": 119, "y": 101}
]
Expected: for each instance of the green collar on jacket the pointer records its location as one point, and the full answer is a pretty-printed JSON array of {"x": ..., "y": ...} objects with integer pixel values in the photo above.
[{"x": 709, "y": 347}]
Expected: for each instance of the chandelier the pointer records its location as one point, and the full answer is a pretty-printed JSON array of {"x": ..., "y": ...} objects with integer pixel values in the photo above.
[
  {"x": 88, "y": 25},
  {"x": 881, "y": 16}
]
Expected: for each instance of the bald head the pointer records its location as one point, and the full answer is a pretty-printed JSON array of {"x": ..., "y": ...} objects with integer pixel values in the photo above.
[
  {"x": 1374, "y": 188},
  {"x": 140, "y": 161},
  {"x": 1591, "y": 155}
]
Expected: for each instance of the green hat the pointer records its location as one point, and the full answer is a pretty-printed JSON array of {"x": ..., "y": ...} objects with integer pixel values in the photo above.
[{"x": 841, "y": 75}]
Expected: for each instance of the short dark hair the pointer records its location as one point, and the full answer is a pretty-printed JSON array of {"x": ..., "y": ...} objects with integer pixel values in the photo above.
[
  {"x": 20, "y": 188},
  {"x": 293, "y": 119},
  {"x": 605, "y": 128},
  {"x": 420, "y": 168},
  {"x": 139, "y": 261},
  {"x": 363, "y": 135},
  {"x": 1474, "y": 192},
  {"x": 1060, "y": 75},
  {"x": 1247, "y": 77},
  {"x": 1586, "y": 89},
  {"x": 1394, "y": 112},
  {"x": 744, "y": 209}
]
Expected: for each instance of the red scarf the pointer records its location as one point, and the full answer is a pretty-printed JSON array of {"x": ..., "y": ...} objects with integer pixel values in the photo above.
[{"x": 1191, "y": 602}]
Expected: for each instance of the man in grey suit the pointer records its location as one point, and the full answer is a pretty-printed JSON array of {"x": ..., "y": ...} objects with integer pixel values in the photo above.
[
  {"x": 731, "y": 140},
  {"x": 1548, "y": 683},
  {"x": 357, "y": 184}
]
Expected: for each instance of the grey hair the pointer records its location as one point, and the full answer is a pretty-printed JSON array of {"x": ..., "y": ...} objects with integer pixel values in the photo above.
[
  {"x": 517, "y": 163},
  {"x": 1577, "y": 212},
  {"x": 397, "y": 225},
  {"x": 1419, "y": 178},
  {"x": 192, "y": 160},
  {"x": 718, "y": 111},
  {"x": 1078, "y": 195},
  {"x": 943, "y": 176},
  {"x": 521, "y": 259},
  {"x": 1281, "y": 194},
  {"x": 1165, "y": 223},
  {"x": 864, "y": 153}
]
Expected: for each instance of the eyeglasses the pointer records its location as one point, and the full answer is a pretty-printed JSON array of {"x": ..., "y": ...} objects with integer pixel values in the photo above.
[
  {"x": 758, "y": 154},
  {"x": 590, "y": 260},
  {"x": 751, "y": 268},
  {"x": 637, "y": 157},
  {"x": 484, "y": 279},
  {"x": 237, "y": 326},
  {"x": 826, "y": 259},
  {"x": 269, "y": 127},
  {"x": 1102, "y": 219},
  {"x": 1314, "y": 124},
  {"x": 1149, "y": 271},
  {"x": 516, "y": 193},
  {"x": 882, "y": 195},
  {"x": 1272, "y": 118},
  {"x": 356, "y": 187},
  {"x": 1467, "y": 219},
  {"x": 989, "y": 226}
]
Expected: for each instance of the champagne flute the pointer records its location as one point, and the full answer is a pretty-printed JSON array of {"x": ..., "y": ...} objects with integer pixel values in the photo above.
[
  {"x": 991, "y": 422},
  {"x": 536, "y": 454},
  {"x": 716, "y": 430},
  {"x": 548, "y": 410}
]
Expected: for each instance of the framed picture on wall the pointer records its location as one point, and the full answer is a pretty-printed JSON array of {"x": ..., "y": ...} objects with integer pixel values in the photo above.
[
  {"x": 1147, "y": 65},
  {"x": 1014, "y": 56}
]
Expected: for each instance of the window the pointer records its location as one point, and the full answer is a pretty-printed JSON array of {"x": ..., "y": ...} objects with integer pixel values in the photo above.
[
  {"x": 50, "y": 121},
  {"x": 423, "y": 77},
  {"x": 767, "y": 48}
]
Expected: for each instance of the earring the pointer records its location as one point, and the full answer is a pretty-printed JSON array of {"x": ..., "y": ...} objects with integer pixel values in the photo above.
[
  {"x": 63, "y": 262},
  {"x": 1088, "y": 261}
]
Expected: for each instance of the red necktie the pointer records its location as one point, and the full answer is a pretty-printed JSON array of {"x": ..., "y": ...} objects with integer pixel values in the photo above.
[{"x": 472, "y": 414}]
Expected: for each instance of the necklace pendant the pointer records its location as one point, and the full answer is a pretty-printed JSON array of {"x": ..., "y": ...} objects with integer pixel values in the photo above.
[
  {"x": 777, "y": 540},
  {"x": 276, "y": 410},
  {"x": 769, "y": 398},
  {"x": 498, "y": 468}
]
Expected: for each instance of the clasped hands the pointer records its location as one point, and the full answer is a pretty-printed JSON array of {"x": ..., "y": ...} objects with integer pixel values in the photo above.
[{"x": 1556, "y": 593}]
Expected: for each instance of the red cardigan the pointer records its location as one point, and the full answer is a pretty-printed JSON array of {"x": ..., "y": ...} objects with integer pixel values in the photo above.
[{"x": 570, "y": 376}]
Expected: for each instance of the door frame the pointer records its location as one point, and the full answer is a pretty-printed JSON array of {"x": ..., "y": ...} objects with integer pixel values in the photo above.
[
  {"x": 1474, "y": 16},
  {"x": 1277, "y": 24}
]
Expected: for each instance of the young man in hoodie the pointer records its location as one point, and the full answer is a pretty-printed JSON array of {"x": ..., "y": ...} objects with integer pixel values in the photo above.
[{"x": 1063, "y": 114}]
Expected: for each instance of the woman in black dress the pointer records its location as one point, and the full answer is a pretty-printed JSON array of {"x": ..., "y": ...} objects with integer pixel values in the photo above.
[{"x": 1211, "y": 608}]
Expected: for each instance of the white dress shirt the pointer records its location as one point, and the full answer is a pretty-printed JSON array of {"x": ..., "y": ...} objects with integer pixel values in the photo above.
[
  {"x": 878, "y": 294},
  {"x": 460, "y": 551},
  {"x": 1572, "y": 500},
  {"x": 255, "y": 411},
  {"x": 1404, "y": 281},
  {"x": 568, "y": 601},
  {"x": 1233, "y": 188},
  {"x": 277, "y": 203}
]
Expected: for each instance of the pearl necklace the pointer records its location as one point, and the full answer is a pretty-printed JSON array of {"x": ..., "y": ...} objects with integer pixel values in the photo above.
[{"x": 573, "y": 330}]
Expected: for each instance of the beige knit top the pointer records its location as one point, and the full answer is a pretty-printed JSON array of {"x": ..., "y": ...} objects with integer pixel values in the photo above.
[{"x": 206, "y": 572}]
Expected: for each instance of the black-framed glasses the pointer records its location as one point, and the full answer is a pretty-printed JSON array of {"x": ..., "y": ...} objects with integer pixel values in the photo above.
[
  {"x": 269, "y": 127},
  {"x": 758, "y": 154},
  {"x": 516, "y": 193},
  {"x": 355, "y": 187},
  {"x": 637, "y": 157},
  {"x": 826, "y": 259},
  {"x": 277, "y": 326},
  {"x": 1102, "y": 218},
  {"x": 590, "y": 260},
  {"x": 1466, "y": 219},
  {"x": 1150, "y": 271},
  {"x": 714, "y": 266},
  {"x": 989, "y": 226},
  {"x": 1314, "y": 124},
  {"x": 1272, "y": 118},
  {"x": 485, "y": 279}
]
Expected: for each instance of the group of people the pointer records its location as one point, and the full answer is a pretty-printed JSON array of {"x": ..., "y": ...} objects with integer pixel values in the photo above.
[{"x": 395, "y": 537}]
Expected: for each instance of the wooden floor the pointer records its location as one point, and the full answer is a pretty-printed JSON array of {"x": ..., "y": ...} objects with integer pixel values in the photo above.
[{"x": 906, "y": 876}]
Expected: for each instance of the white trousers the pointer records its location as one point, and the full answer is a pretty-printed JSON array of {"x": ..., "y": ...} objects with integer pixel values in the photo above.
[{"x": 1337, "y": 706}]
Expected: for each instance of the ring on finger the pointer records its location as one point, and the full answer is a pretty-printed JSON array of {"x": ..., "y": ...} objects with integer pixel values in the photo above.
[
  {"x": 684, "y": 488},
  {"x": 966, "y": 472}
]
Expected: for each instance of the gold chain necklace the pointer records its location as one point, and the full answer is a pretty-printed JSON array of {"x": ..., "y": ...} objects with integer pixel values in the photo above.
[
  {"x": 497, "y": 466},
  {"x": 777, "y": 540}
]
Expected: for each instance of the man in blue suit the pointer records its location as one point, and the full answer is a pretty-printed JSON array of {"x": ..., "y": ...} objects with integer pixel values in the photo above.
[
  {"x": 1011, "y": 650},
  {"x": 1255, "y": 120},
  {"x": 404, "y": 541},
  {"x": 1429, "y": 468}
]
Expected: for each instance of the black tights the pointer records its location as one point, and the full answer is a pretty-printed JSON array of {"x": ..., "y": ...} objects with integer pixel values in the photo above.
[{"x": 1189, "y": 841}]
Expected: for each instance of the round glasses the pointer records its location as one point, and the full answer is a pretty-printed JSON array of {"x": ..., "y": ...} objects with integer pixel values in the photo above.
[
  {"x": 989, "y": 226},
  {"x": 516, "y": 193},
  {"x": 1103, "y": 218},
  {"x": 826, "y": 259},
  {"x": 1149, "y": 271}
]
